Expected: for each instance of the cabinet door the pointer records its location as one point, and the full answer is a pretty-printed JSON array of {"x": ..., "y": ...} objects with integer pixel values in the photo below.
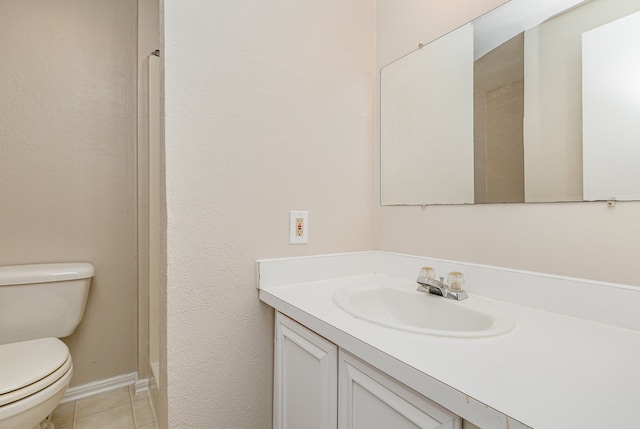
[
  {"x": 370, "y": 399},
  {"x": 305, "y": 378}
]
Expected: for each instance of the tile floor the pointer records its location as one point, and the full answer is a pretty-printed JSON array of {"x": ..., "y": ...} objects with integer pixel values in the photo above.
[{"x": 116, "y": 409}]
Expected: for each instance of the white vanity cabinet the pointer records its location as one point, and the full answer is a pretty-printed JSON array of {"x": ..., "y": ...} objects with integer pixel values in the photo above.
[
  {"x": 305, "y": 385},
  {"x": 318, "y": 386},
  {"x": 370, "y": 399}
]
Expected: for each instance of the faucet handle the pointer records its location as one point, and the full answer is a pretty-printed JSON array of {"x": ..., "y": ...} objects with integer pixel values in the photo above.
[
  {"x": 427, "y": 273},
  {"x": 455, "y": 280}
]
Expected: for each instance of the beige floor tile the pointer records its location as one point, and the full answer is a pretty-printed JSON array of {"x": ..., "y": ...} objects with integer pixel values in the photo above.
[
  {"x": 63, "y": 413},
  {"x": 142, "y": 412},
  {"x": 96, "y": 404},
  {"x": 118, "y": 409},
  {"x": 115, "y": 418}
]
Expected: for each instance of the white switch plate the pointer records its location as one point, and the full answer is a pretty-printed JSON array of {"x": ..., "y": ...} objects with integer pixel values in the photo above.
[{"x": 298, "y": 227}]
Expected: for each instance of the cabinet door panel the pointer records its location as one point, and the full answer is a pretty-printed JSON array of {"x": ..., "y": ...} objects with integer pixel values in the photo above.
[
  {"x": 305, "y": 378},
  {"x": 370, "y": 399}
]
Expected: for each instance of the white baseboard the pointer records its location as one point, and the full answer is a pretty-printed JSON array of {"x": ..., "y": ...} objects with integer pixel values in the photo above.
[
  {"x": 141, "y": 385},
  {"x": 101, "y": 386}
]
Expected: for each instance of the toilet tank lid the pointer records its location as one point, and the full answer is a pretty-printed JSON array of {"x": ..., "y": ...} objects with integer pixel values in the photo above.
[{"x": 44, "y": 273}]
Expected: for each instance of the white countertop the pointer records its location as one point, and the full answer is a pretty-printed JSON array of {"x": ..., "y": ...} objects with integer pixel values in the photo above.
[{"x": 550, "y": 371}]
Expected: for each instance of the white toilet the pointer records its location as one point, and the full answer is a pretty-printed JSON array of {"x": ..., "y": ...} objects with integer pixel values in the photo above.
[{"x": 38, "y": 304}]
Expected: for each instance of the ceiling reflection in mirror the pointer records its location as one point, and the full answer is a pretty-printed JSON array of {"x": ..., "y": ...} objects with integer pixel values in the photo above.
[{"x": 536, "y": 101}]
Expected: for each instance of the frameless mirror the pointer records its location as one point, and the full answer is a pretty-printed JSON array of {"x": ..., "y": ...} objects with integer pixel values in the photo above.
[{"x": 536, "y": 101}]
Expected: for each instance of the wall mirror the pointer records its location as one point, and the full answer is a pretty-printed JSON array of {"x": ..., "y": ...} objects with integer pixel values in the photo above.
[{"x": 536, "y": 101}]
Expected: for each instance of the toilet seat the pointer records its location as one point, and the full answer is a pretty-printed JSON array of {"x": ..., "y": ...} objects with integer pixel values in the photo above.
[{"x": 31, "y": 366}]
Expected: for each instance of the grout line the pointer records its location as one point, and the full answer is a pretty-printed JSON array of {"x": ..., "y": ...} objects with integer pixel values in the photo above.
[{"x": 133, "y": 413}]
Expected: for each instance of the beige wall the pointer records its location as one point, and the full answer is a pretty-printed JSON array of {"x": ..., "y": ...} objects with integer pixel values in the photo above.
[
  {"x": 586, "y": 240},
  {"x": 269, "y": 108},
  {"x": 67, "y": 160}
]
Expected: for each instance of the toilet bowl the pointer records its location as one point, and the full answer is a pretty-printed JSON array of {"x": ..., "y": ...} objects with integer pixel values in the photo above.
[
  {"x": 35, "y": 376},
  {"x": 38, "y": 304}
]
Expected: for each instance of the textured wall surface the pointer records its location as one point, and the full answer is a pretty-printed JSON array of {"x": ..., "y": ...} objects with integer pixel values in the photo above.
[
  {"x": 67, "y": 160},
  {"x": 587, "y": 240},
  {"x": 269, "y": 108}
]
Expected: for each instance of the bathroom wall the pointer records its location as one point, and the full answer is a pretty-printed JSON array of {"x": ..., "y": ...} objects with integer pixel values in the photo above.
[
  {"x": 67, "y": 160},
  {"x": 268, "y": 108},
  {"x": 587, "y": 240}
]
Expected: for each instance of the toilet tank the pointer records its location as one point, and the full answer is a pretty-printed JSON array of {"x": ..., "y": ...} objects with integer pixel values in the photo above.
[{"x": 42, "y": 300}]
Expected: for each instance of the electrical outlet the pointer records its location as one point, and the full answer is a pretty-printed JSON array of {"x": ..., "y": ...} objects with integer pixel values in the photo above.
[{"x": 298, "y": 227}]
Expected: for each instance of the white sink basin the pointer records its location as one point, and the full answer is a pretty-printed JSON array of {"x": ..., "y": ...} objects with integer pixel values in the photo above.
[{"x": 409, "y": 310}]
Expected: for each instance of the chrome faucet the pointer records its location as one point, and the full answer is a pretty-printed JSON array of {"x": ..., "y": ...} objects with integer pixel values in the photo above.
[{"x": 427, "y": 283}]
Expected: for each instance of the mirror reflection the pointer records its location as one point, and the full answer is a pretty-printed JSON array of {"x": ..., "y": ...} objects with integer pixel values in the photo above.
[{"x": 537, "y": 101}]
